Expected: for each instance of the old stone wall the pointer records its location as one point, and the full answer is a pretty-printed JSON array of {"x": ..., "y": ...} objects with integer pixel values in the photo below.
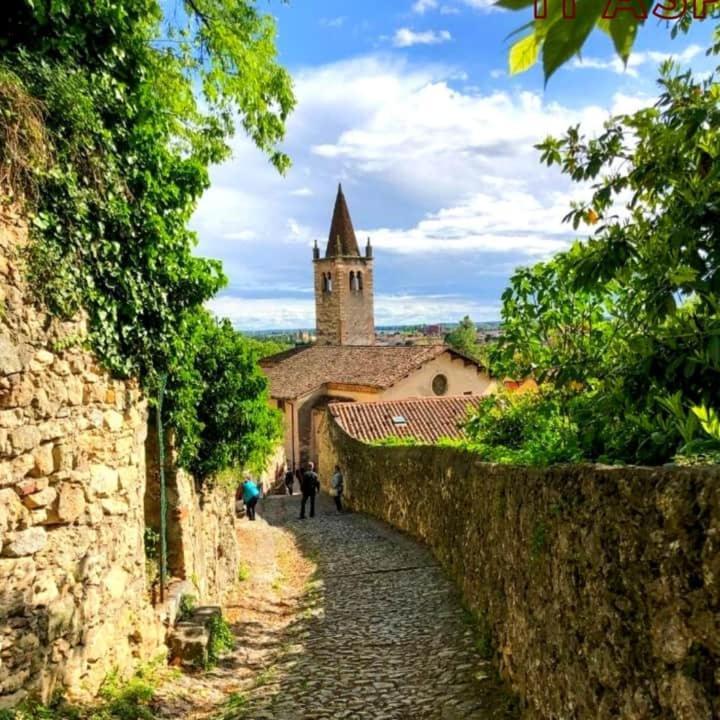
[
  {"x": 202, "y": 542},
  {"x": 599, "y": 586},
  {"x": 73, "y": 597}
]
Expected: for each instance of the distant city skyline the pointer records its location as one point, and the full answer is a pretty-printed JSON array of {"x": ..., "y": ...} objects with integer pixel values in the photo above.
[{"x": 410, "y": 107}]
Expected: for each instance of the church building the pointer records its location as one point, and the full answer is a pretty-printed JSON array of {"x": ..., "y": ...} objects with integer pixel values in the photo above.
[{"x": 345, "y": 365}]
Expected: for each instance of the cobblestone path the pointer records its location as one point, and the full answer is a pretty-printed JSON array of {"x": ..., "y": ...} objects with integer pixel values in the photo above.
[{"x": 379, "y": 632}]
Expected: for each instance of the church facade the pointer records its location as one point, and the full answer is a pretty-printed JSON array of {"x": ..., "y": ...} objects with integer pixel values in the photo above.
[{"x": 345, "y": 365}]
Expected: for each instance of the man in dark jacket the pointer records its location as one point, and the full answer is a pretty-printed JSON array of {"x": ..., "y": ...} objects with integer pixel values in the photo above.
[{"x": 310, "y": 484}]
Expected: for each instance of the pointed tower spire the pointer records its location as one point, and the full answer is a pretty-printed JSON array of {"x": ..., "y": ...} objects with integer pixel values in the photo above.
[{"x": 342, "y": 240}]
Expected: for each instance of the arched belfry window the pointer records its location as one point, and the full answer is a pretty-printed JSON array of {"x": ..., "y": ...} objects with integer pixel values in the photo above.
[
  {"x": 359, "y": 281},
  {"x": 352, "y": 281},
  {"x": 324, "y": 283},
  {"x": 329, "y": 282}
]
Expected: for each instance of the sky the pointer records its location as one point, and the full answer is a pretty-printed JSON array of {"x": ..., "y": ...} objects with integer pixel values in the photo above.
[{"x": 409, "y": 105}]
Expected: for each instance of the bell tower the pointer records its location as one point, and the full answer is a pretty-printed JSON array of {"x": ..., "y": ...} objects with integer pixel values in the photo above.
[{"x": 344, "y": 308}]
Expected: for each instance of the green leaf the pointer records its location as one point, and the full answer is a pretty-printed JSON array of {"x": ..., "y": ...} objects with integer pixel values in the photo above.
[
  {"x": 523, "y": 54},
  {"x": 566, "y": 36},
  {"x": 514, "y": 4},
  {"x": 623, "y": 29}
]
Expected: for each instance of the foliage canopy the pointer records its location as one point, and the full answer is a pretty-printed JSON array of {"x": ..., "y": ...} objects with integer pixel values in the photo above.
[
  {"x": 630, "y": 319},
  {"x": 136, "y": 99}
]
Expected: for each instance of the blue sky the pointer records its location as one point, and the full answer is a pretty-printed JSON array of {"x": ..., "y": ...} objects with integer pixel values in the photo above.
[{"x": 409, "y": 105}]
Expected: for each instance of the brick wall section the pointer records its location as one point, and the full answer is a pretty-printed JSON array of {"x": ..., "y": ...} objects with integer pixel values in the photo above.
[
  {"x": 601, "y": 586},
  {"x": 344, "y": 317},
  {"x": 72, "y": 475}
]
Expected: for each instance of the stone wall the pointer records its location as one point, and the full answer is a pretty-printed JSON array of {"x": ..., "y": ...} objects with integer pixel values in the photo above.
[
  {"x": 599, "y": 586},
  {"x": 76, "y": 495},
  {"x": 202, "y": 543},
  {"x": 73, "y": 600}
]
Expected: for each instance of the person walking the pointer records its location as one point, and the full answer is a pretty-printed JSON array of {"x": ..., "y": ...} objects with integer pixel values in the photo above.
[
  {"x": 338, "y": 486},
  {"x": 289, "y": 480},
  {"x": 309, "y": 485},
  {"x": 250, "y": 496}
]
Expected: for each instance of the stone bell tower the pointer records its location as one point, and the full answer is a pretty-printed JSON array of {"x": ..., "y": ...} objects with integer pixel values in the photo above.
[{"x": 344, "y": 285}]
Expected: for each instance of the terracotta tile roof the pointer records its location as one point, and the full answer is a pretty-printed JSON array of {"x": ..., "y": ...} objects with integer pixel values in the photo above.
[
  {"x": 426, "y": 419},
  {"x": 299, "y": 371},
  {"x": 341, "y": 240}
]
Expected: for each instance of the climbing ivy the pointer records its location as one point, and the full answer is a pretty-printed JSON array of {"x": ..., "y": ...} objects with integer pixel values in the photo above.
[{"x": 112, "y": 112}]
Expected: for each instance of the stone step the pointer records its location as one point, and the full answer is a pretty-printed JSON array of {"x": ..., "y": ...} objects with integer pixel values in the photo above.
[{"x": 188, "y": 640}]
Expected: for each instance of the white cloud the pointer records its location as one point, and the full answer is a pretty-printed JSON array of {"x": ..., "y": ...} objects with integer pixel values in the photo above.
[
  {"x": 404, "y": 37},
  {"x": 485, "y": 5},
  {"x": 636, "y": 60},
  {"x": 422, "y": 6},
  {"x": 302, "y": 192},
  {"x": 509, "y": 221},
  {"x": 424, "y": 166},
  {"x": 497, "y": 73},
  {"x": 335, "y": 22}
]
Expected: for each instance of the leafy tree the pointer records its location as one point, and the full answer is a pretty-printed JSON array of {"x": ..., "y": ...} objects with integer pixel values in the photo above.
[
  {"x": 631, "y": 317},
  {"x": 112, "y": 112},
  {"x": 221, "y": 411},
  {"x": 560, "y": 28},
  {"x": 463, "y": 338}
]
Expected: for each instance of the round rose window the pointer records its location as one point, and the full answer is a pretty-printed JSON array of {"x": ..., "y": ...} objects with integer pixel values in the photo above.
[{"x": 439, "y": 384}]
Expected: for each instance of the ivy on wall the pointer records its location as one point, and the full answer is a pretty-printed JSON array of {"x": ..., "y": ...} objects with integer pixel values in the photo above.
[{"x": 111, "y": 113}]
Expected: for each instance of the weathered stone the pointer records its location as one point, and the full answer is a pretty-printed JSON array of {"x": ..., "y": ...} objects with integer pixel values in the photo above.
[
  {"x": 44, "y": 357},
  {"x": 98, "y": 641},
  {"x": 25, "y": 542},
  {"x": 114, "y": 506},
  {"x": 74, "y": 387},
  {"x": 188, "y": 644},
  {"x": 71, "y": 503},
  {"x": 128, "y": 477},
  {"x": 103, "y": 480},
  {"x": 41, "y": 499},
  {"x": 113, "y": 420},
  {"x": 24, "y": 438},
  {"x": 9, "y": 356},
  {"x": 116, "y": 582},
  {"x": 14, "y": 514},
  {"x": 44, "y": 462}
]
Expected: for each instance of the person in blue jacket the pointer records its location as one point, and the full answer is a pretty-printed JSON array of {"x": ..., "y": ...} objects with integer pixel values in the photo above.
[{"x": 250, "y": 496}]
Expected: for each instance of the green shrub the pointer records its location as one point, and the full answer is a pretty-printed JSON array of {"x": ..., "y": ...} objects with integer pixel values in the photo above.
[
  {"x": 221, "y": 639},
  {"x": 522, "y": 428}
]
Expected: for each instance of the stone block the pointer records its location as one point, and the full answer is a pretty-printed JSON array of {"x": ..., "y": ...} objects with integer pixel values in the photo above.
[
  {"x": 128, "y": 477},
  {"x": 62, "y": 457},
  {"x": 103, "y": 480},
  {"x": 113, "y": 420},
  {"x": 113, "y": 506},
  {"x": 10, "y": 361},
  {"x": 71, "y": 503},
  {"x": 22, "y": 465},
  {"x": 24, "y": 438},
  {"x": 98, "y": 641},
  {"x": 116, "y": 581},
  {"x": 13, "y": 514},
  {"x": 61, "y": 367},
  {"x": 44, "y": 462},
  {"x": 74, "y": 387},
  {"x": 188, "y": 643},
  {"x": 42, "y": 499},
  {"x": 44, "y": 357},
  {"x": 25, "y": 542}
]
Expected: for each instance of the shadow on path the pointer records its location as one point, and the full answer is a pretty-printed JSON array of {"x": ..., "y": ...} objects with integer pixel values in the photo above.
[{"x": 377, "y": 632}]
